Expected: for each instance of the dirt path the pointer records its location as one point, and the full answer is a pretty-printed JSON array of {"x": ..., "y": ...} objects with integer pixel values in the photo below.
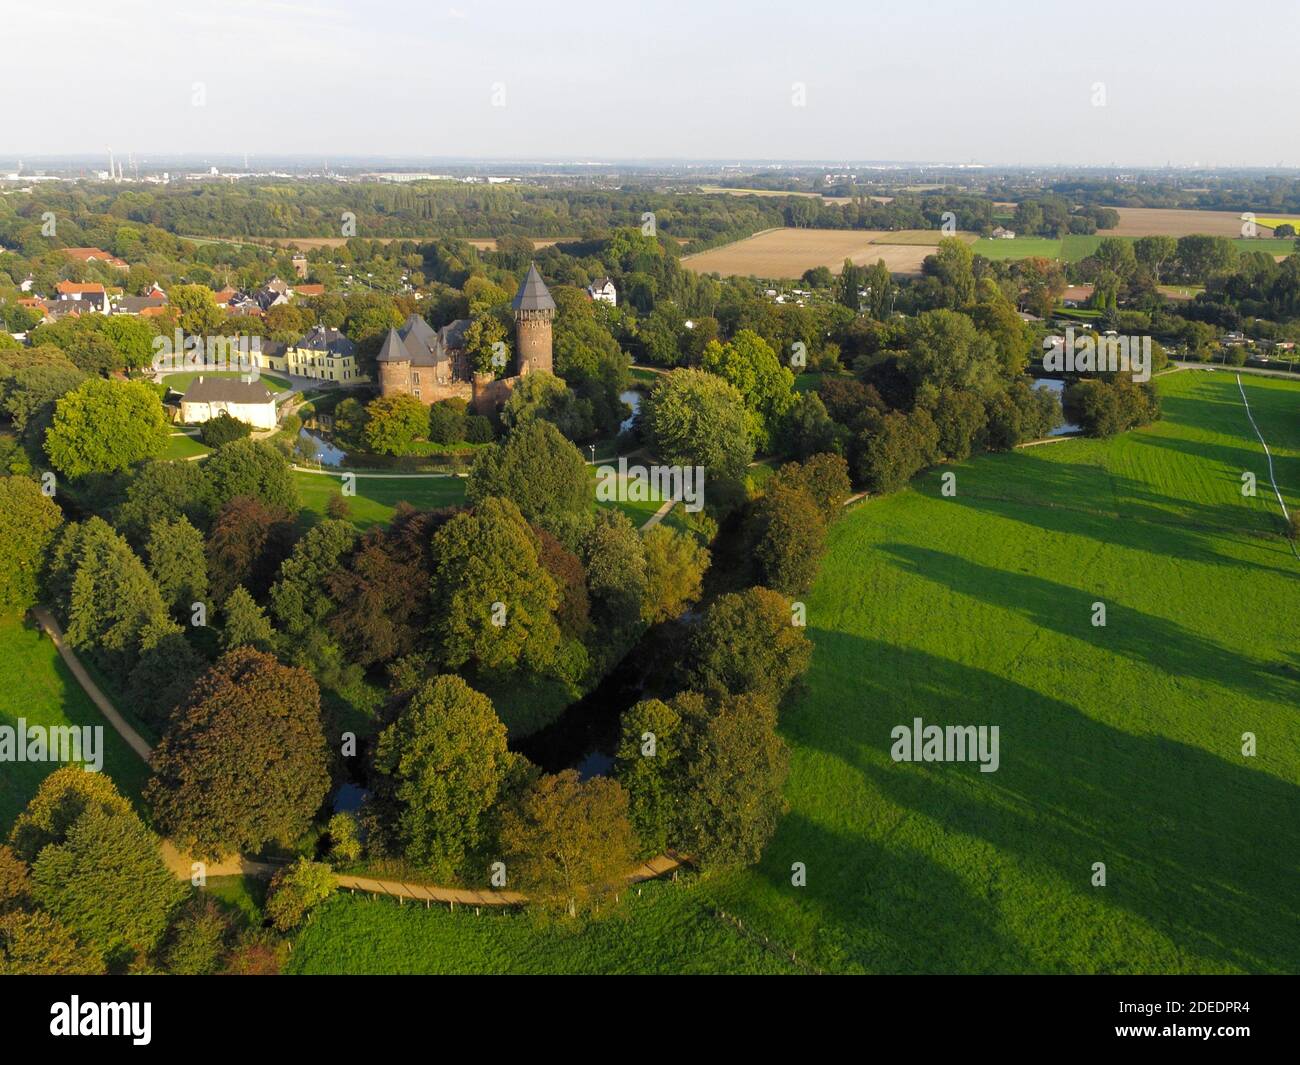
[
  {"x": 183, "y": 865},
  {"x": 426, "y": 893},
  {"x": 133, "y": 739}
]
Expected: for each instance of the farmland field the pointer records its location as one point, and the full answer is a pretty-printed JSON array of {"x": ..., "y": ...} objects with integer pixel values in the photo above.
[
  {"x": 1175, "y": 222},
  {"x": 787, "y": 253},
  {"x": 1119, "y": 744},
  {"x": 1073, "y": 248},
  {"x": 1019, "y": 248}
]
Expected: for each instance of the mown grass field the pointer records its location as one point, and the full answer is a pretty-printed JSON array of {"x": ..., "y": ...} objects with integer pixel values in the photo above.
[
  {"x": 36, "y": 685},
  {"x": 669, "y": 928},
  {"x": 1119, "y": 744},
  {"x": 376, "y": 498}
]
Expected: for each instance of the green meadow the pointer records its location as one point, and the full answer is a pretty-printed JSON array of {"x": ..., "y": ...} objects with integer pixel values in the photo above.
[
  {"x": 376, "y": 498},
  {"x": 38, "y": 687},
  {"x": 1119, "y": 745},
  {"x": 668, "y": 928}
]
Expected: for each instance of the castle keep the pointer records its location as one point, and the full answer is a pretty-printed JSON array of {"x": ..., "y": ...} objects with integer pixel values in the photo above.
[{"x": 432, "y": 365}]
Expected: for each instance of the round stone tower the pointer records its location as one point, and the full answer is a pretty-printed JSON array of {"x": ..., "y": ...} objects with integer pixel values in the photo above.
[{"x": 534, "y": 311}]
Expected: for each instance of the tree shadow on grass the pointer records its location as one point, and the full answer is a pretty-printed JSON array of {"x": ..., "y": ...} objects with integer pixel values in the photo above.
[
  {"x": 886, "y": 909},
  {"x": 1199, "y": 849},
  {"x": 1140, "y": 637},
  {"x": 1064, "y": 497}
]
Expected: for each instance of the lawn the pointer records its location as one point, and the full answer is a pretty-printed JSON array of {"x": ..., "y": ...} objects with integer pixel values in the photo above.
[
  {"x": 1119, "y": 744},
  {"x": 668, "y": 928},
  {"x": 182, "y": 446},
  {"x": 377, "y": 497},
  {"x": 179, "y": 382},
  {"x": 38, "y": 687}
]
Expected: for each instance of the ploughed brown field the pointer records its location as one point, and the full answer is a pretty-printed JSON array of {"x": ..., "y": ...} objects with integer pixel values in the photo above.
[
  {"x": 787, "y": 253},
  {"x": 1176, "y": 222}
]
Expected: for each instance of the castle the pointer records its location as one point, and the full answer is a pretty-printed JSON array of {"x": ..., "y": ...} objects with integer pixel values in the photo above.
[{"x": 432, "y": 365}]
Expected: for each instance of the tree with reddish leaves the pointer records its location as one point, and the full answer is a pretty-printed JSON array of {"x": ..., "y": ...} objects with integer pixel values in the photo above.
[
  {"x": 382, "y": 594},
  {"x": 247, "y": 543},
  {"x": 245, "y": 761}
]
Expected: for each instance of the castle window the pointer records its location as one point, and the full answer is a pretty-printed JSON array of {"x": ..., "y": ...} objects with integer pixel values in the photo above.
[
  {"x": 415, "y": 377},
  {"x": 415, "y": 393}
]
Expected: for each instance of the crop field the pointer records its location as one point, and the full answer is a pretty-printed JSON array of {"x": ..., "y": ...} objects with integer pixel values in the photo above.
[
  {"x": 1119, "y": 744},
  {"x": 789, "y": 252},
  {"x": 1175, "y": 222},
  {"x": 1018, "y": 248},
  {"x": 1073, "y": 248},
  {"x": 38, "y": 687}
]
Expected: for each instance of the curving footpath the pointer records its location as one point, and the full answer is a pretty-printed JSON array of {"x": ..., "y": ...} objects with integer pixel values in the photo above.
[{"x": 182, "y": 865}]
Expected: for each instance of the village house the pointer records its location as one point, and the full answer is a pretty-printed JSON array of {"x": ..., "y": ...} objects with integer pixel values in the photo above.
[
  {"x": 603, "y": 289},
  {"x": 249, "y": 401},
  {"x": 96, "y": 255},
  {"x": 91, "y": 293},
  {"x": 1002, "y": 233}
]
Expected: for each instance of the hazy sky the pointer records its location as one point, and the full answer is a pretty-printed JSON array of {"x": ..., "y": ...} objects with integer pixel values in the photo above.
[{"x": 985, "y": 81}]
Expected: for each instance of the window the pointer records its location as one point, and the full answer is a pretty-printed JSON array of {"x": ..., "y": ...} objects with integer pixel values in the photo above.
[
  {"x": 415, "y": 393},
  {"x": 415, "y": 377}
]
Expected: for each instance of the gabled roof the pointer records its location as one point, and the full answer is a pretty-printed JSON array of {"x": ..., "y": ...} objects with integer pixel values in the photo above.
[
  {"x": 89, "y": 255},
  {"x": 533, "y": 295},
  {"x": 77, "y": 286},
  {"x": 136, "y": 304},
  {"x": 226, "y": 390}
]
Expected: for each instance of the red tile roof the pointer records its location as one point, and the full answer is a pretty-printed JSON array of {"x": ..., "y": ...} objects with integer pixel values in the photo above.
[
  {"x": 78, "y": 286},
  {"x": 86, "y": 255}
]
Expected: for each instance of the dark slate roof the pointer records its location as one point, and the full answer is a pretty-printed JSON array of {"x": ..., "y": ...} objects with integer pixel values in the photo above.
[
  {"x": 533, "y": 294},
  {"x": 393, "y": 349},
  {"x": 226, "y": 390},
  {"x": 452, "y": 335},
  {"x": 418, "y": 330},
  {"x": 322, "y": 338}
]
